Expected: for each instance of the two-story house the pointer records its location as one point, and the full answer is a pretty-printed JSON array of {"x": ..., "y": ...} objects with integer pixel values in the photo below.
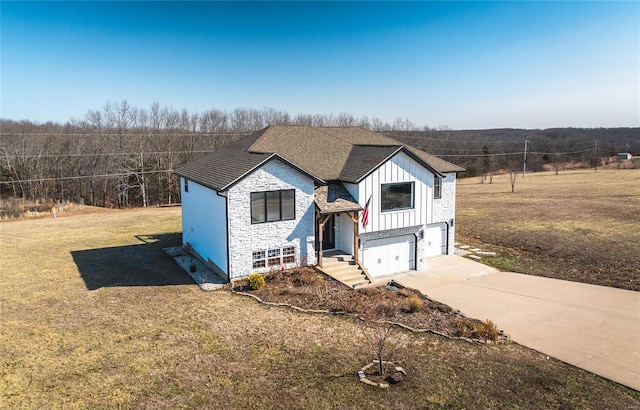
[{"x": 285, "y": 195}]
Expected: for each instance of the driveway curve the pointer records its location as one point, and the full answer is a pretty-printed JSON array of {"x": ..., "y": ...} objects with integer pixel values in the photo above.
[{"x": 593, "y": 327}]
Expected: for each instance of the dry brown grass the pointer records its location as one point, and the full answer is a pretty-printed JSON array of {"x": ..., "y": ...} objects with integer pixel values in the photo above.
[
  {"x": 94, "y": 315},
  {"x": 578, "y": 225}
]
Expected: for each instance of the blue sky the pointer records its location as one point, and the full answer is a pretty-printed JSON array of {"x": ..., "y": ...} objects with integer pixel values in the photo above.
[{"x": 466, "y": 65}]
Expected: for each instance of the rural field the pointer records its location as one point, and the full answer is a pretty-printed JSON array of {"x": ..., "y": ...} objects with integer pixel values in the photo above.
[
  {"x": 95, "y": 315},
  {"x": 579, "y": 225}
]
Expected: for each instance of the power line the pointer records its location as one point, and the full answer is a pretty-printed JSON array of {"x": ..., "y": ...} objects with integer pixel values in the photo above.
[
  {"x": 115, "y": 154},
  {"x": 84, "y": 177},
  {"x": 109, "y": 134}
]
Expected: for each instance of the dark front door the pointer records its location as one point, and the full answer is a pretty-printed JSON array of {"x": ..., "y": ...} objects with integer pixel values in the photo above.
[{"x": 329, "y": 234}]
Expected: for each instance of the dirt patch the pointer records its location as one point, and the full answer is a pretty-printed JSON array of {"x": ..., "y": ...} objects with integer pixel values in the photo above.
[{"x": 310, "y": 289}]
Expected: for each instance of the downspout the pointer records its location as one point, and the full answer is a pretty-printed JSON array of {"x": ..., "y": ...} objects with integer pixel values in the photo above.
[
  {"x": 226, "y": 212},
  {"x": 415, "y": 251},
  {"x": 446, "y": 249}
]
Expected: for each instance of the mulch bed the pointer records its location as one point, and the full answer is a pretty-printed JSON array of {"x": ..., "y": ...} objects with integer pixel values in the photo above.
[{"x": 310, "y": 289}]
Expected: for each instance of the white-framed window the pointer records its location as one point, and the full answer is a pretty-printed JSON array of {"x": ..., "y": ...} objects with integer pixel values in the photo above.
[
  {"x": 289, "y": 254},
  {"x": 271, "y": 206},
  {"x": 259, "y": 260},
  {"x": 437, "y": 187},
  {"x": 396, "y": 196},
  {"x": 272, "y": 258}
]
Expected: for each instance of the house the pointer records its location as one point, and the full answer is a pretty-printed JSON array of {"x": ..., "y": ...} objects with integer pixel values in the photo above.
[{"x": 285, "y": 195}]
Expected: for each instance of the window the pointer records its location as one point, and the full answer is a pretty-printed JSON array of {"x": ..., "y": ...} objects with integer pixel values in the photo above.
[
  {"x": 396, "y": 196},
  {"x": 259, "y": 260},
  {"x": 289, "y": 254},
  {"x": 437, "y": 187},
  {"x": 274, "y": 257},
  {"x": 271, "y": 206},
  {"x": 186, "y": 185}
]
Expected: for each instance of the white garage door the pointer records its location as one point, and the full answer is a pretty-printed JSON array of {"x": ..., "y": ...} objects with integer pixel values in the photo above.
[
  {"x": 435, "y": 240},
  {"x": 390, "y": 255}
]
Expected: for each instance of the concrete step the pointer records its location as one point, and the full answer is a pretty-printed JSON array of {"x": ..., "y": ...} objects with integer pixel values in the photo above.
[
  {"x": 359, "y": 283},
  {"x": 348, "y": 276},
  {"x": 338, "y": 260},
  {"x": 339, "y": 269}
]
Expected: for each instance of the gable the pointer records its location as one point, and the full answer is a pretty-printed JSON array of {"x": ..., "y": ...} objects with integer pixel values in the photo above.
[
  {"x": 323, "y": 153},
  {"x": 366, "y": 159}
]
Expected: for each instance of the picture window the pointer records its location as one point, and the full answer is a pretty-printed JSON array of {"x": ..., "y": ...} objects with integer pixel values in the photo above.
[
  {"x": 396, "y": 196},
  {"x": 272, "y": 206}
]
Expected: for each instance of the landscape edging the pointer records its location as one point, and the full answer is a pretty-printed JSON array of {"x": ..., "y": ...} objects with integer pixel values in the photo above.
[{"x": 398, "y": 324}]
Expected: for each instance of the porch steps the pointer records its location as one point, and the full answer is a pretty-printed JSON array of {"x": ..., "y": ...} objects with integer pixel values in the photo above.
[{"x": 343, "y": 268}]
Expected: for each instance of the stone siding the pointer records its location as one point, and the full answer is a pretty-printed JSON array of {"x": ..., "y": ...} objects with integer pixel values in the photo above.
[
  {"x": 245, "y": 237},
  {"x": 444, "y": 209}
]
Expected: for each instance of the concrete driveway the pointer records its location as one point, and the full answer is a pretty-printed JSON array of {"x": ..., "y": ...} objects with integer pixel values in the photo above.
[{"x": 592, "y": 327}]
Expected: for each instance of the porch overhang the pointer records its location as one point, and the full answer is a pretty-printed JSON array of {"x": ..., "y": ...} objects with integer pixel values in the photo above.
[{"x": 332, "y": 199}]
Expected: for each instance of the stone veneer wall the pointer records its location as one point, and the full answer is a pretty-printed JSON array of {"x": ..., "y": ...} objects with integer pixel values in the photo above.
[
  {"x": 444, "y": 209},
  {"x": 245, "y": 237}
]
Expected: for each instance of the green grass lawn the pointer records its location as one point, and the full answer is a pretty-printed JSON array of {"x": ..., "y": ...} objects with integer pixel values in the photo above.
[{"x": 95, "y": 315}]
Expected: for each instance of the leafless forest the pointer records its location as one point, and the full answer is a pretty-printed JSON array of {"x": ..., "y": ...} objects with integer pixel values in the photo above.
[{"x": 121, "y": 155}]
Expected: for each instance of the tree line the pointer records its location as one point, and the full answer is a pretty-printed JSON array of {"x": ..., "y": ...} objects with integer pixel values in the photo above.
[{"x": 121, "y": 155}]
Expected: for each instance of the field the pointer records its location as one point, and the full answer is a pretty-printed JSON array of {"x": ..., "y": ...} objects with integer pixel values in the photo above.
[
  {"x": 578, "y": 225},
  {"x": 95, "y": 315}
]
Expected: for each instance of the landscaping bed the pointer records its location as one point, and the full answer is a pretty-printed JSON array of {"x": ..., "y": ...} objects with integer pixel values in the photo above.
[{"x": 310, "y": 289}]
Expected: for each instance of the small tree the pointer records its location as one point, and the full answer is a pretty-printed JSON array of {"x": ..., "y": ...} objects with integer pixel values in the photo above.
[
  {"x": 513, "y": 167},
  {"x": 378, "y": 332}
]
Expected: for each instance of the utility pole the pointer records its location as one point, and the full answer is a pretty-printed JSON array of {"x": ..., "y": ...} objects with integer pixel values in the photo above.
[
  {"x": 595, "y": 158},
  {"x": 524, "y": 162}
]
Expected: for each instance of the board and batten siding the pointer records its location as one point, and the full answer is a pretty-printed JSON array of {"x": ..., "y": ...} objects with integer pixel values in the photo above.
[
  {"x": 399, "y": 168},
  {"x": 245, "y": 237},
  {"x": 204, "y": 223}
]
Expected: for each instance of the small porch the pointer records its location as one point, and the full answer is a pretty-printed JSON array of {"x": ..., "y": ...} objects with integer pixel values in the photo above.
[{"x": 334, "y": 203}]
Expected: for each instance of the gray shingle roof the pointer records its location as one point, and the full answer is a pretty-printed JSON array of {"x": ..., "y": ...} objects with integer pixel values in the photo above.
[
  {"x": 364, "y": 158},
  {"x": 334, "y": 197},
  {"x": 325, "y": 153},
  {"x": 223, "y": 167}
]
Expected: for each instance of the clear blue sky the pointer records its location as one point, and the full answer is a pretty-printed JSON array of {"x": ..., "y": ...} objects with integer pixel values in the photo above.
[{"x": 461, "y": 64}]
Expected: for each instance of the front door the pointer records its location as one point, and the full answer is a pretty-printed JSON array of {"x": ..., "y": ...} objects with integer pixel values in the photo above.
[{"x": 329, "y": 234}]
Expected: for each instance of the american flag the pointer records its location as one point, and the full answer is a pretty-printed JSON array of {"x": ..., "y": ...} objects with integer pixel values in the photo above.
[{"x": 365, "y": 214}]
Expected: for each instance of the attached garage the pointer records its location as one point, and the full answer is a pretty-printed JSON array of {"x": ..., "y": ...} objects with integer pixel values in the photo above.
[
  {"x": 435, "y": 240},
  {"x": 386, "y": 256}
]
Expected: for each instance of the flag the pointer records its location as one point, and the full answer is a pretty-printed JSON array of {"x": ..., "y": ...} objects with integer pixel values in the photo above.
[{"x": 365, "y": 214}]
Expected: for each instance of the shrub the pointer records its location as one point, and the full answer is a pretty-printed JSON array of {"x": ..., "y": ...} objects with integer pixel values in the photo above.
[
  {"x": 486, "y": 330},
  {"x": 256, "y": 281},
  {"x": 409, "y": 292},
  {"x": 415, "y": 304},
  {"x": 463, "y": 327}
]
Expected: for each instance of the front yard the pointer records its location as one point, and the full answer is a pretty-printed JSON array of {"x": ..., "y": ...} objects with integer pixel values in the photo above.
[{"x": 95, "y": 315}]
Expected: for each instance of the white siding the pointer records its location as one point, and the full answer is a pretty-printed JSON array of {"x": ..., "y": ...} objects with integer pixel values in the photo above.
[
  {"x": 400, "y": 168},
  {"x": 246, "y": 237},
  {"x": 204, "y": 223},
  {"x": 346, "y": 233}
]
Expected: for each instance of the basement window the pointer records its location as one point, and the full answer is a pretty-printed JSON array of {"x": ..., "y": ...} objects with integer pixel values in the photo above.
[
  {"x": 259, "y": 260},
  {"x": 274, "y": 257}
]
